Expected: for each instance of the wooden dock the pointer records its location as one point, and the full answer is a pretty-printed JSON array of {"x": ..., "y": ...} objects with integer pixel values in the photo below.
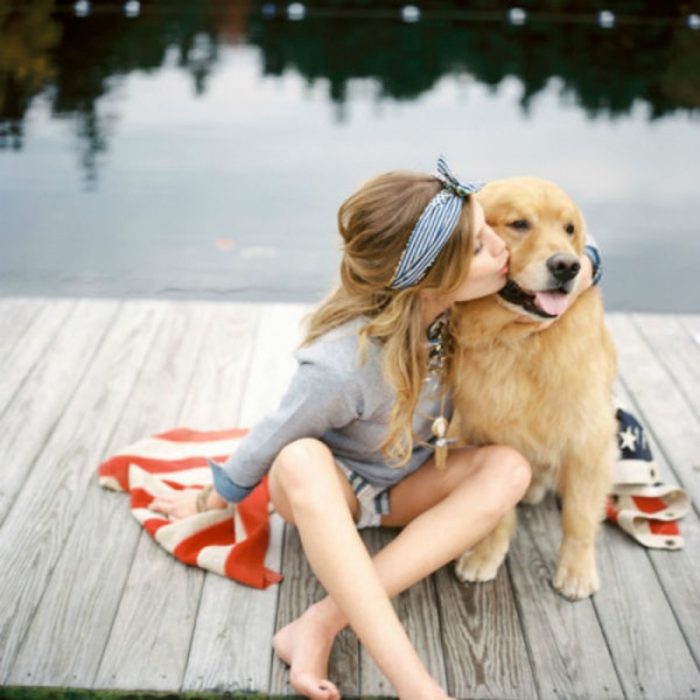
[{"x": 89, "y": 601}]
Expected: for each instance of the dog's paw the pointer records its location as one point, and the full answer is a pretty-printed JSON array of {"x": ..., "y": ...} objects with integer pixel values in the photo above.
[
  {"x": 576, "y": 583},
  {"x": 474, "y": 567}
]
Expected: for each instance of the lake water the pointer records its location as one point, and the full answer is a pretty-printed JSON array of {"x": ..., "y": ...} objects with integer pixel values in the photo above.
[{"x": 201, "y": 150}]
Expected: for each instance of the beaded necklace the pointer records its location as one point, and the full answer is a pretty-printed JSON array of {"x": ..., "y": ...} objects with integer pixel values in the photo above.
[{"x": 440, "y": 346}]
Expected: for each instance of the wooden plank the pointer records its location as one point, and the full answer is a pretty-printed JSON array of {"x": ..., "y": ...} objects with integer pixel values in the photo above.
[
  {"x": 565, "y": 643},
  {"x": 664, "y": 405},
  {"x": 300, "y": 589},
  {"x": 66, "y": 639},
  {"x": 233, "y": 619},
  {"x": 37, "y": 401},
  {"x": 691, "y": 323},
  {"x": 484, "y": 646},
  {"x": 673, "y": 344},
  {"x": 35, "y": 530},
  {"x": 16, "y": 315},
  {"x": 677, "y": 570},
  {"x": 639, "y": 624},
  {"x": 150, "y": 639},
  {"x": 418, "y": 612},
  {"x": 32, "y": 346}
]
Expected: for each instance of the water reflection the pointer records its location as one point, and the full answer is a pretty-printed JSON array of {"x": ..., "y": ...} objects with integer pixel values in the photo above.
[
  {"x": 603, "y": 71},
  {"x": 220, "y": 169},
  {"x": 649, "y": 56}
]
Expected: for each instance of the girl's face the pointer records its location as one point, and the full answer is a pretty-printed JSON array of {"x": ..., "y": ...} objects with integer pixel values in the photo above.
[{"x": 489, "y": 268}]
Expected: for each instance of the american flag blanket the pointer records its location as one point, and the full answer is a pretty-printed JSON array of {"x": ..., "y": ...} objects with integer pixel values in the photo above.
[
  {"x": 640, "y": 503},
  {"x": 231, "y": 542}
]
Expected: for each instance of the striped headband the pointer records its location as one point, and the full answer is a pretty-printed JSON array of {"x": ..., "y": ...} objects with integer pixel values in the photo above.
[{"x": 433, "y": 228}]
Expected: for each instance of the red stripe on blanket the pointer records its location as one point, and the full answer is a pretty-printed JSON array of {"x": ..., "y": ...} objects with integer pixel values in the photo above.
[
  {"x": 664, "y": 527},
  {"x": 221, "y": 533},
  {"x": 141, "y": 498},
  {"x": 188, "y": 435},
  {"x": 649, "y": 504},
  {"x": 245, "y": 562},
  {"x": 610, "y": 509},
  {"x": 249, "y": 555},
  {"x": 152, "y": 525}
]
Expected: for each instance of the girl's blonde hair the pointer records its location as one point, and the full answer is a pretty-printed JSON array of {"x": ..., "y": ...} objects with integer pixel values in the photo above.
[{"x": 375, "y": 223}]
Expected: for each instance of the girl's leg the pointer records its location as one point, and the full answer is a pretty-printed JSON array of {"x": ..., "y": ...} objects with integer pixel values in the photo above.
[
  {"x": 307, "y": 488},
  {"x": 444, "y": 514}
]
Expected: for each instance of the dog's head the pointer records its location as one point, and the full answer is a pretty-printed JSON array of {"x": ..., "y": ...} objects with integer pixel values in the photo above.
[{"x": 545, "y": 233}]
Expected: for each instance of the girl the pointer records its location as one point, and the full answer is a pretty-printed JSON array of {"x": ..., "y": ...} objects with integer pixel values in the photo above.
[{"x": 359, "y": 434}]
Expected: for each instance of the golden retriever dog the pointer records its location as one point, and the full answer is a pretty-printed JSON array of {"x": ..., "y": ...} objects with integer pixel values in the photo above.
[{"x": 544, "y": 389}]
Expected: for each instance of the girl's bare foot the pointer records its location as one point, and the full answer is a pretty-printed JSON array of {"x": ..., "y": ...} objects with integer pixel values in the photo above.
[{"x": 305, "y": 646}]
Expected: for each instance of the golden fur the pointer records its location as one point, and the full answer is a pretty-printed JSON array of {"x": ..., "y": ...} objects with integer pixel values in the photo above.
[{"x": 545, "y": 392}]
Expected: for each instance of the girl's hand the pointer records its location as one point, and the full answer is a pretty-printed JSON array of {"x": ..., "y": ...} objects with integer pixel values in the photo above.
[{"x": 183, "y": 504}]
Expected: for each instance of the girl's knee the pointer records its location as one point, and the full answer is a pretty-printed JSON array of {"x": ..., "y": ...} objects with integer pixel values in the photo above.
[
  {"x": 300, "y": 464},
  {"x": 508, "y": 470}
]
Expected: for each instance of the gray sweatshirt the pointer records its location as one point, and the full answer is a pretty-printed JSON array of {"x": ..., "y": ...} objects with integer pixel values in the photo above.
[{"x": 345, "y": 404}]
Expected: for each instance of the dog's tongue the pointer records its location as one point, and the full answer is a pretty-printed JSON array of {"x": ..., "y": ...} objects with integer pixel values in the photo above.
[{"x": 553, "y": 303}]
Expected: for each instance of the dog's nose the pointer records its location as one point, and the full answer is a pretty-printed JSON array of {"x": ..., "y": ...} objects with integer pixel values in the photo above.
[{"x": 564, "y": 266}]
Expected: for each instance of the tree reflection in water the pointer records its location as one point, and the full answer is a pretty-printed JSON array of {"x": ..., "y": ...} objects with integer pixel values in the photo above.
[{"x": 649, "y": 56}]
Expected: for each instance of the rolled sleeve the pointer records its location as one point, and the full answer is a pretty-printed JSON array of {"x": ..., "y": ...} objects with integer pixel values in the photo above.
[{"x": 228, "y": 489}]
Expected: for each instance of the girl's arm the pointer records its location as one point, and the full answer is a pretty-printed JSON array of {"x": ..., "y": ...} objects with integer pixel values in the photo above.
[{"x": 320, "y": 397}]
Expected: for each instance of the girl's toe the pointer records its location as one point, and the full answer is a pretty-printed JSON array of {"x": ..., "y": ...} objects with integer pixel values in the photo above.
[{"x": 330, "y": 690}]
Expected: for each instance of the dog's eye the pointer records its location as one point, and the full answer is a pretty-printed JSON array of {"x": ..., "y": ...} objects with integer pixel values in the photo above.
[
  {"x": 520, "y": 225},
  {"x": 570, "y": 228}
]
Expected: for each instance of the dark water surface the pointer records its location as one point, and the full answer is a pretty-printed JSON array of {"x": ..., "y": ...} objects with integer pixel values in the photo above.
[{"x": 200, "y": 150}]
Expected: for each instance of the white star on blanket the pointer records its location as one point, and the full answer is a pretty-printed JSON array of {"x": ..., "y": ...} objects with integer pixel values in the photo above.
[{"x": 628, "y": 439}]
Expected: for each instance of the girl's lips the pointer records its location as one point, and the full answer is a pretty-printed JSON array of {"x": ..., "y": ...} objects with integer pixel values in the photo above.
[{"x": 504, "y": 269}]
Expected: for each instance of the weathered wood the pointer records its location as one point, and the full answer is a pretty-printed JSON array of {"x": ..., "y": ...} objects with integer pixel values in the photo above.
[
  {"x": 29, "y": 342},
  {"x": 231, "y": 617},
  {"x": 566, "y": 646},
  {"x": 55, "y": 489},
  {"x": 41, "y": 397},
  {"x": 633, "y": 609},
  {"x": 484, "y": 647},
  {"x": 64, "y": 621},
  {"x": 662, "y": 402},
  {"x": 67, "y": 637},
  {"x": 677, "y": 570},
  {"x": 16, "y": 315},
  {"x": 672, "y": 341},
  {"x": 417, "y": 610},
  {"x": 150, "y": 639},
  {"x": 691, "y": 323}
]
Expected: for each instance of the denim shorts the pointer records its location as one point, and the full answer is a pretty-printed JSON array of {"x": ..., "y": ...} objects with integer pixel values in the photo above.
[{"x": 373, "y": 501}]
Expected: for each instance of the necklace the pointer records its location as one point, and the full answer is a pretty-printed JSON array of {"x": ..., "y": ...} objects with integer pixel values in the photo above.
[{"x": 439, "y": 348}]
